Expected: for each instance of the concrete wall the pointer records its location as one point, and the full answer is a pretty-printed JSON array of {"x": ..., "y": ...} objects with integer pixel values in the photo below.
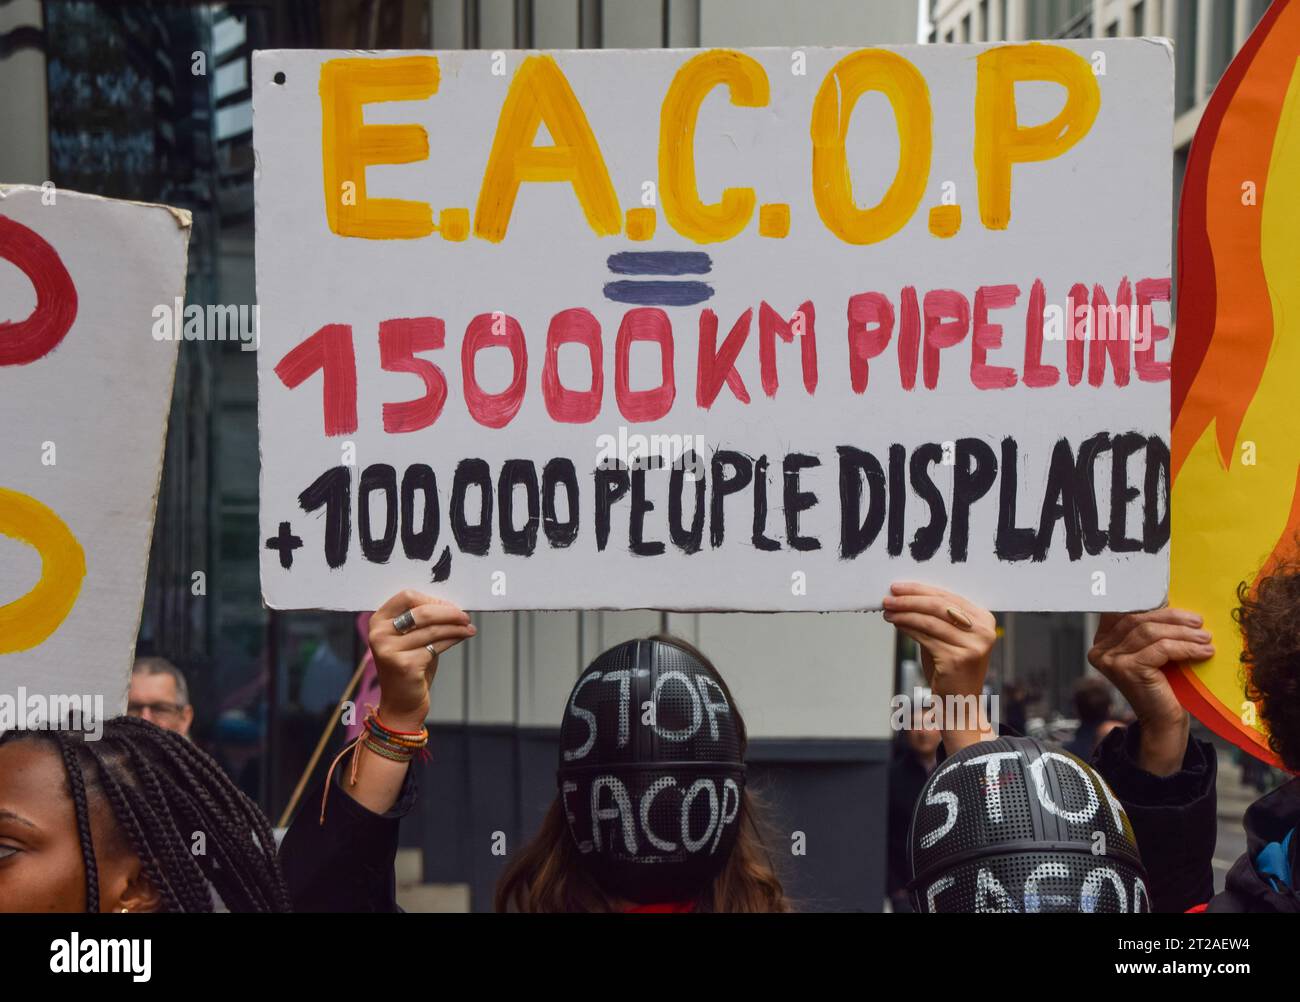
[{"x": 24, "y": 144}]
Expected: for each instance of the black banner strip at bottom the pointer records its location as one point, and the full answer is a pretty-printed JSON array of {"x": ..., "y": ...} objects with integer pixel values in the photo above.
[{"x": 269, "y": 955}]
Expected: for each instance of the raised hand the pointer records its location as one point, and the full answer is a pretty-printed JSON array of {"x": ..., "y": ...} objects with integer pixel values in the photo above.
[
  {"x": 956, "y": 637},
  {"x": 407, "y": 660},
  {"x": 1133, "y": 650}
]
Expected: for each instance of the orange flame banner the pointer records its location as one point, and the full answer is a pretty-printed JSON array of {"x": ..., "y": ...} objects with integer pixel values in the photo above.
[{"x": 1236, "y": 363}]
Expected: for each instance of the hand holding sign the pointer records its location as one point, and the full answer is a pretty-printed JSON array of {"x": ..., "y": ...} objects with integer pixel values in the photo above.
[
  {"x": 407, "y": 634},
  {"x": 956, "y": 637},
  {"x": 405, "y": 664},
  {"x": 1133, "y": 652}
]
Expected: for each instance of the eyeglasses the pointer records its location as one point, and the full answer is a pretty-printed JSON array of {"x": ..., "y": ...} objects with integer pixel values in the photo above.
[{"x": 154, "y": 709}]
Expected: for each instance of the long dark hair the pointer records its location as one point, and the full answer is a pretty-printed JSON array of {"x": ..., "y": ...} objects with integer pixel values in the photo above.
[
  {"x": 161, "y": 789},
  {"x": 549, "y": 874}
]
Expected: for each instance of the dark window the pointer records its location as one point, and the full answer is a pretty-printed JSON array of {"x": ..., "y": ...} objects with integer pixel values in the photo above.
[
  {"x": 1223, "y": 42},
  {"x": 1059, "y": 18},
  {"x": 1185, "y": 55}
]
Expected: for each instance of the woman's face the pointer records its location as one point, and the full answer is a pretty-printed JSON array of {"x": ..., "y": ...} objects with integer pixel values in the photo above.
[{"x": 41, "y": 868}]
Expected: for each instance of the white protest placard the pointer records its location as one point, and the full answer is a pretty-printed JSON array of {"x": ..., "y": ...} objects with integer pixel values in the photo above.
[
  {"x": 85, "y": 391},
  {"x": 762, "y": 329}
]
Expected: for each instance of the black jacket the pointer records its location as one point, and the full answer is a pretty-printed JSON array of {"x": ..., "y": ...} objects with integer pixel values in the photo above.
[
  {"x": 1269, "y": 819},
  {"x": 346, "y": 864},
  {"x": 1175, "y": 822},
  {"x": 1174, "y": 817},
  {"x": 907, "y": 777}
]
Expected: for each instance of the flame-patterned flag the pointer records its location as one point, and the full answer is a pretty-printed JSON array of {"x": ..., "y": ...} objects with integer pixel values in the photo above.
[{"x": 1236, "y": 430}]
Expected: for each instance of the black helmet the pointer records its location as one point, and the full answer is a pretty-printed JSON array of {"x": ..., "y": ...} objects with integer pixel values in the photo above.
[
  {"x": 1015, "y": 826},
  {"x": 651, "y": 772}
]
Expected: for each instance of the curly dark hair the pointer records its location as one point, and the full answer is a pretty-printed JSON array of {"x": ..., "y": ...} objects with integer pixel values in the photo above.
[{"x": 1269, "y": 617}]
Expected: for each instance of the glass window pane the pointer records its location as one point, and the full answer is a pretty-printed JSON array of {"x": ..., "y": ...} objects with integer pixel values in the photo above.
[
  {"x": 1222, "y": 38},
  {"x": 1185, "y": 55}
]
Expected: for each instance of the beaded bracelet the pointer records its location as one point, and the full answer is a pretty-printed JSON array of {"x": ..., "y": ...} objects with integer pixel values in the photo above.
[
  {"x": 386, "y": 738},
  {"x": 423, "y": 732},
  {"x": 382, "y": 740},
  {"x": 401, "y": 744},
  {"x": 388, "y": 753}
]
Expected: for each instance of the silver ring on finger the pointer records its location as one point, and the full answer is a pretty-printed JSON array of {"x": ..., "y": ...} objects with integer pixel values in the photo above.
[
  {"x": 432, "y": 653},
  {"x": 404, "y": 622}
]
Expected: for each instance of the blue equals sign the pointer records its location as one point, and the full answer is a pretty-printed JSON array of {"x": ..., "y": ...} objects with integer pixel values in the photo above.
[{"x": 659, "y": 291}]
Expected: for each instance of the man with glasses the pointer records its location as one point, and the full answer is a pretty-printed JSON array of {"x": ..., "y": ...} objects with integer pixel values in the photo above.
[{"x": 159, "y": 694}]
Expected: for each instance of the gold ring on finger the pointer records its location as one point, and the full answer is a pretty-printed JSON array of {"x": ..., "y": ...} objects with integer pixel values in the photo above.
[{"x": 959, "y": 618}]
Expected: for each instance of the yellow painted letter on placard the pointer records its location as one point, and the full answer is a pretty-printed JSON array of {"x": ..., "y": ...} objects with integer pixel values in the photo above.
[
  {"x": 902, "y": 84},
  {"x": 679, "y": 192},
  {"x": 540, "y": 95},
  {"x": 1000, "y": 140},
  {"x": 29, "y": 620},
  {"x": 348, "y": 146}
]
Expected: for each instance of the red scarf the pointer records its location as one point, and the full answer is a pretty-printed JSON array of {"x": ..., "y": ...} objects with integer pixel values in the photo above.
[{"x": 676, "y": 908}]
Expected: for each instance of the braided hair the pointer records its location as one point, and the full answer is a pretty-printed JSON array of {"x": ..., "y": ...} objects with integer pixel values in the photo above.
[{"x": 163, "y": 791}]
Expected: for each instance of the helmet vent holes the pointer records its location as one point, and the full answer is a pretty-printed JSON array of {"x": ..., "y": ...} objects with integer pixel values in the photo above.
[
  {"x": 1013, "y": 825},
  {"x": 656, "y": 795}
]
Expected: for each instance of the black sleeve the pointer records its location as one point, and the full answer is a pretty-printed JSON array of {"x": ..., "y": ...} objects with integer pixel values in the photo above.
[
  {"x": 897, "y": 827},
  {"x": 345, "y": 864},
  {"x": 1174, "y": 817}
]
